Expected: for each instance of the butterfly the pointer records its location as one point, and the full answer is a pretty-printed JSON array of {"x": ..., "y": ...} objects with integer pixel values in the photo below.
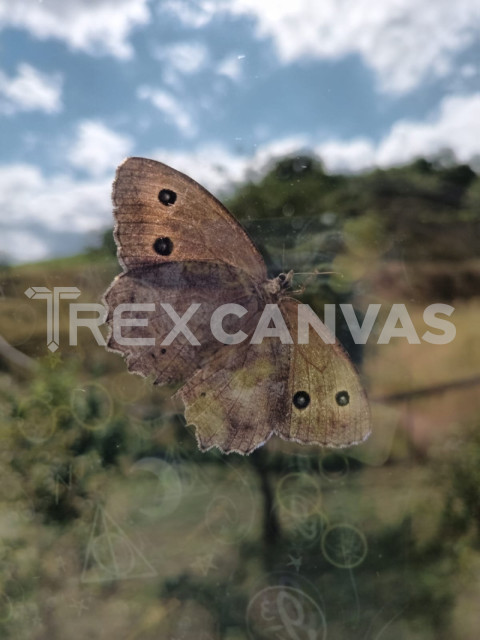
[{"x": 179, "y": 246}]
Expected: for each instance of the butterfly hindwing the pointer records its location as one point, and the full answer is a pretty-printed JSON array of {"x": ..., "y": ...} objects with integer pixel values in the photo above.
[
  {"x": 325, "y": 402},
  {"x": 180, "y": 285},
  {"x": 237, "y": 398},
  {"x": 308, "y": 393}
]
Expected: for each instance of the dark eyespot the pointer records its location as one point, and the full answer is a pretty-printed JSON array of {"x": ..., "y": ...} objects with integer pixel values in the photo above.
[
  {"x": 203, "y": 394},
  {"x": 301, "y": 400},
  {"x": 342, "y": 398},
  {"x": 282, "y": 277},
  {"x": 163, "y": 350},
  {"x": 163, "y": 246},
  {"x": 167, "y": 197}
]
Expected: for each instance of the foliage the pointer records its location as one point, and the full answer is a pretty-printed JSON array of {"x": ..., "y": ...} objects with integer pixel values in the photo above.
[
  {"x": 82, "y": 437},
  {"x": 423, "y": 203}
]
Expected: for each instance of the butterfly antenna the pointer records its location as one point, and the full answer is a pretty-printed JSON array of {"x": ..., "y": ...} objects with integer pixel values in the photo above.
[
  {"x": 313, "y": 274},
  {"x": 317, "y": 273}
]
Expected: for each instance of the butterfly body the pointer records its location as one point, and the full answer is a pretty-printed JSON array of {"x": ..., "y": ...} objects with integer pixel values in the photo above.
[
  {"x": 180, "y": 247},
  {"x": 276, "y": 287}
]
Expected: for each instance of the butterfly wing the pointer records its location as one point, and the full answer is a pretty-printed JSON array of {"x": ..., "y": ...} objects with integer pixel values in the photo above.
[
  {"x": 179, "y": 245},
  {"x": 325, "y": 403},
  {"x": 163, "y": 215},
  {"x": 178, "y": 284},
  {"x": 246, "y": 393},
  {"x": 236, "y": 399}
]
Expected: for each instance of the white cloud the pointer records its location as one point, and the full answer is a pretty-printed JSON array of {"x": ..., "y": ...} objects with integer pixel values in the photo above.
[
  {"x": 181, "y": 58},
  {"x": 23, "y": 246},
  {"x": 30, "y": 90},
  {"x": 97, "y": 148},
  {"x": 97, "y": 27},
  {"x": 217, "y": 168},
  {"x": 350, "y": 155},
  {"x": 60, "y": 201},
  {"x": 468, "y": 70},
  {"x": 213, "y": 166},
  {"x": 44, "y": 216},
  {"x": 171, "y": 107},
  {"x": 455, "y": 126},
  {"x": 231, "y": 67},
  {"x": 191, "y": 14},
  {"x": 404, "y": 42}
]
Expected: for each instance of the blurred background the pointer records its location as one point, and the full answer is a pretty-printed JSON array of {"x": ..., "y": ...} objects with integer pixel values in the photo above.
[{"x": 344, "y": 138}]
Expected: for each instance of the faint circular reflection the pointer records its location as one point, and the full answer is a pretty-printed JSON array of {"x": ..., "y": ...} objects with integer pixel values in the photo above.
[
  {"x": 167, "y": 494},
  {"x": 334, "y": 467},
  {"x": 344, "y": 546},
  {"x": 287, "y": 613},
  {"x": 229, "y": 517},
  {"x": 37, "y": 424},
  {"x": 19, "y": 321},
  {"x": 298, "y": 494},
  {"x": 305, "y": 532},
  {"x": 91, "y": 405},
  {"x": 114, "y": 554}
]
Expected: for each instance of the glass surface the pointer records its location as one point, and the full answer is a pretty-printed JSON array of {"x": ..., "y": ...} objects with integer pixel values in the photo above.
[
  {"x": 114, "y": 521},
  {"x": 113, "y": 524}
]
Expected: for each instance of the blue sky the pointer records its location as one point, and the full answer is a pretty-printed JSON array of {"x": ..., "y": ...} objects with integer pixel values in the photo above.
[{"x": 214, "y": 88}]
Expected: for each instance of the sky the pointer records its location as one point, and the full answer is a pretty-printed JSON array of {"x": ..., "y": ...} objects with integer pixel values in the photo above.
[{"x": 216, "y": 89}]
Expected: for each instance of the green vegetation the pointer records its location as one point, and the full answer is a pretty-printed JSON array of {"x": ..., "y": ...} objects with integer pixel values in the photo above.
[{"x": 114, "y": 525}]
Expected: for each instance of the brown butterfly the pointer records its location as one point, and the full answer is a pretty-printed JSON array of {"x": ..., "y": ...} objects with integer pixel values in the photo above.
[{"x": 179, "y": 246}]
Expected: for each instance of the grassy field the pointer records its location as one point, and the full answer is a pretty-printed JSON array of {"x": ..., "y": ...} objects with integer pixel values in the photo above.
[{"x": 113, "y": 525}]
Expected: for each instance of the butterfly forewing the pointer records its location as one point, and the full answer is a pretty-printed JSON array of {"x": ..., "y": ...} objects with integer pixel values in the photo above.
[{"x": 162, "y": 215}]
